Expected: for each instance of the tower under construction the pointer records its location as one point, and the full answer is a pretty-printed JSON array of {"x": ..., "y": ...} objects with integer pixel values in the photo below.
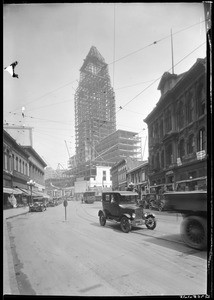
[{"x": 95, "y": 112}]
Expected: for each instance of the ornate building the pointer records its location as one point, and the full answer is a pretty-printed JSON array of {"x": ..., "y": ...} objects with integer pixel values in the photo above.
[{"x": 177, "y": 129}]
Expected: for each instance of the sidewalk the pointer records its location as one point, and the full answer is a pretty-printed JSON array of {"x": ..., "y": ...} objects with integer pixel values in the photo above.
[
  {"x": 13, "y": 212},
  {"x": 10, "y": 286}
]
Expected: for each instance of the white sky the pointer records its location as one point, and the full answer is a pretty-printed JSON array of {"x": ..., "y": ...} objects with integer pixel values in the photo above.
[{"x": 50, "y": 42}]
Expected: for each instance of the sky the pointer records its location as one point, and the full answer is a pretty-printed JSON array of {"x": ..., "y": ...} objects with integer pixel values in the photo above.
[{"x": 51, "y": 41}]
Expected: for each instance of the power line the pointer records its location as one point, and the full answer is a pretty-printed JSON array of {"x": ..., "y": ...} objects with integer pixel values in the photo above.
[
  {"x": 44, "y": 95},
  {"x": 155, "y": 42},
  {"x": 161, "y": 76}
]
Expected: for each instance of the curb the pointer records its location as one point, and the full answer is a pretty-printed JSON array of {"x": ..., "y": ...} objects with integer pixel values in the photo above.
[{"x": 23, "y": 213}]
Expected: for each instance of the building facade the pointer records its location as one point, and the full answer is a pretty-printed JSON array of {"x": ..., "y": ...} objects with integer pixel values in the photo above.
[
  {"x": 119, "y": 173},
  {"x": 177, "y": 129},
  {"x": 20, "y": 165},
  {"x": 138, "y": 177}
]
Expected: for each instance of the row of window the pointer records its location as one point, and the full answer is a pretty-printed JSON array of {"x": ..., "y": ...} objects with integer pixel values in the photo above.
[
  {"x": 12, "y": 162},
  {"x": 184, "y": 111},
  {"x": 165, "y": 158}
]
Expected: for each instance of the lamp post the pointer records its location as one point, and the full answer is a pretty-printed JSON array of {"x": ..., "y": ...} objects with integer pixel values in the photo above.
[{"x": 31, "y": 183}]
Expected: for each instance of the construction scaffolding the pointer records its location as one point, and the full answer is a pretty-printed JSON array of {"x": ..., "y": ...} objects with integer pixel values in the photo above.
[
  {"x": 95, "y": 112},
  {"x": 119, "y": 145}
]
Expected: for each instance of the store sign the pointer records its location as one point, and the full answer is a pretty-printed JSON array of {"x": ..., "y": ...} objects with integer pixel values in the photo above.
[
  {"x": 179, "y": 163},
  {"x": 201, "y": 154}
]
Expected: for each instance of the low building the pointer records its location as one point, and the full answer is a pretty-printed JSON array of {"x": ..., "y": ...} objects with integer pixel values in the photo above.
[
  {"x": 21, "y": 164},
  {"x": 138, "y": 177},
  {"x": 119, "y": 173}
]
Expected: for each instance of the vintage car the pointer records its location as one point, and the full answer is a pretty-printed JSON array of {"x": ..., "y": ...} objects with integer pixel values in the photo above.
[
  {"x": 37, "y": 205},
  {"x": 123, "y": 207},
  {"x": 192, "y": 205}
]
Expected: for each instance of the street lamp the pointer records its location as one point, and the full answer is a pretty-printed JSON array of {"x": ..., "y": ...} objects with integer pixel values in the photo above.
[{"x": 31, "y": 183}]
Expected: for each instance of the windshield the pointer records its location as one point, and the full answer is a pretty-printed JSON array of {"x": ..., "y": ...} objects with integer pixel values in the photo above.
[{"x": 128, "y": 199}]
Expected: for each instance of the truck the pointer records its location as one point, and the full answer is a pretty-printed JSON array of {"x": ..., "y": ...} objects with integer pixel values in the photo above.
[{"x": 192, "y": 205}]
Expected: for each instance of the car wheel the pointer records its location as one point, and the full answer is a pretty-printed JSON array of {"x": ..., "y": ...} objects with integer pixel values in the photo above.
[
  {"x": 125, "y": 224},
  {"x": 102, "y": 219},
  {"x": 150, "y": 223},
  {"x": 160, "y": 207},
  {"x": 194, "y": 232}
]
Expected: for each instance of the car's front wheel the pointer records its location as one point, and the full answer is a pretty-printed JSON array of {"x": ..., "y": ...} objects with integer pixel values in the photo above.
[
  {"x": 125, "y": 224},
  {"x": 150, "y": 222},
  {"x": 102, "y": 219}
]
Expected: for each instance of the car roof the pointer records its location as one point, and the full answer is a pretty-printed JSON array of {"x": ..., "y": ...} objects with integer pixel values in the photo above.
[{"x": 122, "y": 193}]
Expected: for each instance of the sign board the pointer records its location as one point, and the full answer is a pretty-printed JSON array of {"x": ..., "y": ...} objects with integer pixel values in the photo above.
[
  {"x": 201, "y": 154},
  {"x": 65, "y": 203},
  {"x": 179, "y": 163}
]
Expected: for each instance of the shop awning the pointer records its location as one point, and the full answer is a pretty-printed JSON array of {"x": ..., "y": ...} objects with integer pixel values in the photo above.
[
  {"x": 11, "y": 191},
  {"x": 23, "y": 191},
  {"x": 193, "y": 179}
]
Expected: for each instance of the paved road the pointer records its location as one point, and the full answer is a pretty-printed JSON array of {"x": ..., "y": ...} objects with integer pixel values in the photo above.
[{"x": 54, "y": 256}]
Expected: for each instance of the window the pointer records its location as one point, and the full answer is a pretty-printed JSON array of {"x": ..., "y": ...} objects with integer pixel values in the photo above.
[
  {"x": 169, "y": 156},
  {"x": 168, "y": 121},
  {"x": 17, "y": 164},
  {"x": 8, "y": 160},
  {"x": 162, "y": 158},
  {"x": 201, "y": 140},
  {"x": 201, "y": 100},
  {"x": 13, "y": 162},
  {"x": 180, "y": 115},
  {"x": 161, "y": 128},
  {"x": 23, "y": 167},
  {"x": 20, "y": 165},
  {"x": 5, "y": 159},
  {"x": 181, "y": 148},
  {"x": 104, "y": 175},
  {"x": 190, "y": 144},
  {"x": 189, "y": 106}
]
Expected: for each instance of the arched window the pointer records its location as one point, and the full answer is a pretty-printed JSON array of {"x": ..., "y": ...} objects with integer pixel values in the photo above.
[
  {"x": 201, "y": 141},
  {"x": 190, "y": 144},
  {"x": 181, "y": 148}
]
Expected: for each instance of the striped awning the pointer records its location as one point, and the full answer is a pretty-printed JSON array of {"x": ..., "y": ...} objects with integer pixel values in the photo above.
[{"x": 11, "y": 191}]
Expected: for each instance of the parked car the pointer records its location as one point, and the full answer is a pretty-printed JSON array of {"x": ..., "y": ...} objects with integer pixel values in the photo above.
[
  {"x": 37, "y": 205},
  {"x": 123, "y": 207},
  {"x": 51, "y": 203},
  {"x": 155, "y": 201},
  {"x": 89, "y": 197}
]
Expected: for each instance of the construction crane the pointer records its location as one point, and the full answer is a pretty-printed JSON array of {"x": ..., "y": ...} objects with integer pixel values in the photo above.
[{"x": 67, "y": 149}]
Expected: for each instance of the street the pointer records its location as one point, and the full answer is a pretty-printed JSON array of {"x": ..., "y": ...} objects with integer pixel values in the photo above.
[{"x": 77, "y": 257}]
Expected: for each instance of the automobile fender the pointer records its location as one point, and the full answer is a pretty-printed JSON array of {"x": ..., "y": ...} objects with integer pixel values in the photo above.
[
  {"x": 126, "y": 215},
  {"x": 101, "y": 212},
  {"x": 147, "y": 215}
]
